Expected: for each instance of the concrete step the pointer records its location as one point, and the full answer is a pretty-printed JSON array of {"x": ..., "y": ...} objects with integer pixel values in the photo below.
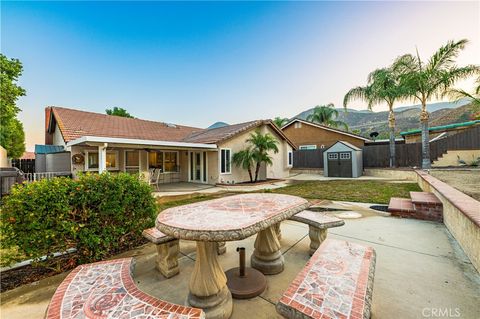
[{"x": 401, "y": 207}]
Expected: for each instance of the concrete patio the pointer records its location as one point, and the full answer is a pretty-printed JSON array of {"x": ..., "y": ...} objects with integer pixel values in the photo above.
[{"x": 420, "y": 271}]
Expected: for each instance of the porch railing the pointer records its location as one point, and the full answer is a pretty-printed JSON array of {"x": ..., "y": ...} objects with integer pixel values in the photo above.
[{"x": 32, "y": 177}]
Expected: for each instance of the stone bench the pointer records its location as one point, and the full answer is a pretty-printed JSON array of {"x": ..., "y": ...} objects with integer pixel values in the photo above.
[
  {"x": 168, "y": 249},
  {"x": 106, "y": 290},
  {"x": 337, "y": 282},
  {"x": 318, "y": 223}
]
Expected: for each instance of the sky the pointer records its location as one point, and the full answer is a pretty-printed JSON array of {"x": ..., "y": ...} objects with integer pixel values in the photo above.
[{"x": 195, "y": 63}]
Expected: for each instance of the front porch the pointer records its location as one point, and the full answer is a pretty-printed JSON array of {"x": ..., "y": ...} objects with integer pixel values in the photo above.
[{"x": 156, "y": 161}]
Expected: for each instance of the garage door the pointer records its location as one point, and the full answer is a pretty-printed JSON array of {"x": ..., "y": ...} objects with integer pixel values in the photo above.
[{"x": 339, "y": 164}]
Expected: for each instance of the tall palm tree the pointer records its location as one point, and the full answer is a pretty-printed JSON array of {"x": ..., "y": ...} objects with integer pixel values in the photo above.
[
  {"x": 383, "y": 86},
  {"x": 430, "y": 79},
  {"x": 261, "y": 145},
  {"x": 458, "y": 94},
  {"x": 280, "y": 121},
  {"x": 245, "y": 159},
  {"x": 326, "y": 115}
]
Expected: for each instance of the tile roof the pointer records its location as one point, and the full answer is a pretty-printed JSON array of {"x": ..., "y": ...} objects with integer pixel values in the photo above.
[
  {"x": 219, "y": 134},
  {"x": 74, "y": 124}
]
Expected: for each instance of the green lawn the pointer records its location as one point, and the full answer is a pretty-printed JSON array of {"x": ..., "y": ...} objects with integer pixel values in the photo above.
[{"x": 350, "y": 190}]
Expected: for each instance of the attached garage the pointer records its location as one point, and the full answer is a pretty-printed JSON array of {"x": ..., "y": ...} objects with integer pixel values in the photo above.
[{"x": 342, "y": 159}]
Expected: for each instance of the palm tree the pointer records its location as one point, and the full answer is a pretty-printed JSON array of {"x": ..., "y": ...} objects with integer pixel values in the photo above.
[
  {"x": 458, "y": 94},
  {"x": 261, "y": 145},
  {"x": 326, "y": 115},
  {"x": 245, "y": 159},
  {"x": 430, "y": 79},
  {"x": 383, "y": 86},
  {"x": 280, "y": 121}
]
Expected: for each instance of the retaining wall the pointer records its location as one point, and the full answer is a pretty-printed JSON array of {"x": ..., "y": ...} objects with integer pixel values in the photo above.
[{"x": 461, "y": 214}]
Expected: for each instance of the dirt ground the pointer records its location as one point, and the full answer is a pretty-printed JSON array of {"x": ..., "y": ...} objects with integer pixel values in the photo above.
[{"x": 467, "y": 181}]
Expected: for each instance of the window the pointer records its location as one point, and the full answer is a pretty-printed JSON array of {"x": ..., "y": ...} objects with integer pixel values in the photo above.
[
  {"x": 164, "y": 160},
  {"x": 308, "y": 147},
  {"x": 132, "y": 161},
  {"x": 155, "y": 160},
  {"x": 298, "y": 125},
  {"x": 225, "y": 161},
  {"x": 345, "y": 156},
  {"x": 290, "y": 158},
  {"x": 92, "y": 161},
  {"x": 170, "y": 161},
  {"x": 332, "y": 156}
]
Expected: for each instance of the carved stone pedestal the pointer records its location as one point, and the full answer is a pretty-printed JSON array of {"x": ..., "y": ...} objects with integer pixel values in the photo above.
[
  {"x": 208, "y": 284},
  {"x": 317, "y": 236},
  {"x": 267, "y": 257},
  {"x": 167, "y": 258},
  {"x": 278, "y": 230},
  {"x": 221, "y": 248}
]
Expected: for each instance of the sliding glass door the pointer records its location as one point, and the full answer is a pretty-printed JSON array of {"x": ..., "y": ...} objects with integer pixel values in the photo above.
[{"x": 197, "y": 167}]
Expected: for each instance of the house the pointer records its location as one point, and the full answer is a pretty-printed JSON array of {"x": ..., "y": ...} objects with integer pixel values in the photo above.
[
  {"x": 99, "y": 142},
  {"x": 435, "y": 132},
  {"x": 308, "y": 135}
]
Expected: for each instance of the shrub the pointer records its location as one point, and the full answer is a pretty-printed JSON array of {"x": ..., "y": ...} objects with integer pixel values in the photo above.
[{"x": 98, "y": 214}]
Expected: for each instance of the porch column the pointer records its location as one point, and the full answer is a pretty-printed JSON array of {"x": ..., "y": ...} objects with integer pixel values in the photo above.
[{"x": 102, "y": 158}]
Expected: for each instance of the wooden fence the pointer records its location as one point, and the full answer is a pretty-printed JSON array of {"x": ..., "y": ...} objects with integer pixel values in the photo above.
[
  {"x": 406, "y": 155},
  {"x": 308, "y": 158}
]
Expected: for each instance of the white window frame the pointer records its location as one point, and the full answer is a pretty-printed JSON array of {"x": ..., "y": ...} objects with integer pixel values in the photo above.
[
  {"x": 125, "y": 160},
  {"x": 332, "y": 156},
  {"x": 229, "y": 162},
  {"x": 163, "y": 159},
  {"x": 112, "y": 168},
  {"x": 307, "y": 147},
  {"x": 289, "y": 158},
  {"x": 297, "y": 125},
  {"x": 349, "y": 155}
]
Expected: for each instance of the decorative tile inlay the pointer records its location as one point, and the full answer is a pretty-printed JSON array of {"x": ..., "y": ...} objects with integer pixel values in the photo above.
[
  {"x": 336, "y": 283},
  {"x": 156, "y": 236},
  {"x": 317, "y": 219},
  {"x": 106, "y": 290},
  {"x": 229, "y": 218}
]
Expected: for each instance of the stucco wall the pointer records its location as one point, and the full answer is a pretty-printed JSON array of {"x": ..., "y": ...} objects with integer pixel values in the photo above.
[
  {"x": 451, "y": 158},
  {"x": 406, "y": 174},
  {"x": 465, "y": 231},
  {"x": 311, "y": 135},
  {"x": 57, "y": 136},
  {"x": 4, "y": 162},
  {"x": 279, "y": 168}
]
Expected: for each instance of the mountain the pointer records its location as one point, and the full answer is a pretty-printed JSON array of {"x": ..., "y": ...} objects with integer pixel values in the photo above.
[
  {"x": 217, "y": 125},
  {"x": 407, "y": 118}
]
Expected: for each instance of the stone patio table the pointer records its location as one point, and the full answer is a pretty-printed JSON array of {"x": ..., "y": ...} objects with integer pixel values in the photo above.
[{"x": 229, "y": 218}]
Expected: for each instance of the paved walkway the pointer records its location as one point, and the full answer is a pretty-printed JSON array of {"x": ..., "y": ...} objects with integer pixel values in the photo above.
[
  {"x": 420, "y": 270},
  {"x": 184, "y": 188}
]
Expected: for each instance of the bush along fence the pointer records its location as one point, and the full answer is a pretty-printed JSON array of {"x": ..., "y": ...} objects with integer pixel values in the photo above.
[
  {"x": 406, "y": 155},
  {"x": 98, "y": 214}
]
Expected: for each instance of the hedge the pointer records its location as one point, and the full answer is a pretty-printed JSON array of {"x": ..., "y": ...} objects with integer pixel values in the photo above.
[{"x": 97, "y": 214}]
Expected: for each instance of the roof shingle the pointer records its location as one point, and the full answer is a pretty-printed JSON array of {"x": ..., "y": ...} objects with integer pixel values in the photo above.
[{"x": 74, "y": 124}]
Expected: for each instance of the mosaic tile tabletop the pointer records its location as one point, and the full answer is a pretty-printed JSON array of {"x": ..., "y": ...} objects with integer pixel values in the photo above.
[
  {"x": 106, "y": 290},
  {"x": 229, "y": 218},
  {"x": 336, "y": 283}
]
